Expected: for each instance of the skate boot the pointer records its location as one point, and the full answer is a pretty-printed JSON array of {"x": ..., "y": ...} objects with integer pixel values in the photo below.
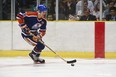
[
  {"x": 36, "y": 59},
  {"x": 41, "y": 60}
]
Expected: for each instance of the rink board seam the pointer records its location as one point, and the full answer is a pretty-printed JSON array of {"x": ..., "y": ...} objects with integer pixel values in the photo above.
[{"x": 70, "y": 54}]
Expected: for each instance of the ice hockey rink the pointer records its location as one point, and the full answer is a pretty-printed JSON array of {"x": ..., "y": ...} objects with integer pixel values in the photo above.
[{"x": 55, "y": 67}]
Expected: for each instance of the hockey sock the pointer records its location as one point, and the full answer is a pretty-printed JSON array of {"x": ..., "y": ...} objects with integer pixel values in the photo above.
[{"x": 36, "y": 52}]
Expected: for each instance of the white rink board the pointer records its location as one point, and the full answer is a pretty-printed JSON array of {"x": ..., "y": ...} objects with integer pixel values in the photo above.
[
  {"x": 5, "y": 35},
  {"x": 60, "y": 36},
  {"x": 70, "y": 36},
  {"x": 110, "y": 36}
]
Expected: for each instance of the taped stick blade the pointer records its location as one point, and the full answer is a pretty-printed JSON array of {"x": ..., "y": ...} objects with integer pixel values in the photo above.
[{"x": 72, "y": 61}]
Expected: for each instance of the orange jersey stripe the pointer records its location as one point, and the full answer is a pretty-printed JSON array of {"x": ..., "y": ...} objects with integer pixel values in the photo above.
[
  {"x": 31, "y": 14},
  {"x": 20, "y": 21}
]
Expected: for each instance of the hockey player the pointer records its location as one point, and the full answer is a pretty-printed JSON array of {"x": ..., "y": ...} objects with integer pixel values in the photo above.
[{"x": 34, "y": 23}]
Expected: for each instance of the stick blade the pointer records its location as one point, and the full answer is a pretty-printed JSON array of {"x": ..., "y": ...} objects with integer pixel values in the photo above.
[{"x": 72, "y": 61}]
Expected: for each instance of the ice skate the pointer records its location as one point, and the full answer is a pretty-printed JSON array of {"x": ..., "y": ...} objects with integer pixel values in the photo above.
[
  {"x": 40, "y": 61},
  {"x": 36, "y": 59}
]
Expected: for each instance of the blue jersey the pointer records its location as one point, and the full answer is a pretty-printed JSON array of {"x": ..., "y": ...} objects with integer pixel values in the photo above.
[{"x": 31, "y": 21}]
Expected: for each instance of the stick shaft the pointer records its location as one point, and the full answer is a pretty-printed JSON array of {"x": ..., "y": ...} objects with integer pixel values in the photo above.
[
  {"x": 73, "y": 61},
  {"x": 52, "y": 50}
]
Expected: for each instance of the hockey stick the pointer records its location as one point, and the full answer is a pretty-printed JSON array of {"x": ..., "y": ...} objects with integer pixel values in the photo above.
[{"x": 71, "y": 61}]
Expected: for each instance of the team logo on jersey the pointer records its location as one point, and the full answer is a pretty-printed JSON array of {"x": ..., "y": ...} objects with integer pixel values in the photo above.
[{"x": 36, "y": 26}]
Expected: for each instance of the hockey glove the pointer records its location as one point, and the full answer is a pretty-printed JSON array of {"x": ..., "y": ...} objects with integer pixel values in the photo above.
[
  {"x": 26, "y": 30},
  {"x": 37, "y": 38}
]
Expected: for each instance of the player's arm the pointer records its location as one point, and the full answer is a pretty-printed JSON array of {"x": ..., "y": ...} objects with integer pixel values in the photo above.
[{"x": 21, "y": 21}]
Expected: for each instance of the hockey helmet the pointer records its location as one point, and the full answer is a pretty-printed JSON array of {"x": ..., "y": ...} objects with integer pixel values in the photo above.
[{"x": 42, "y": 8}]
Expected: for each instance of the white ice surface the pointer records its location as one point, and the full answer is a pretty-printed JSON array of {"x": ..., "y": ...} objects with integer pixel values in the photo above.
[{"x": 55, "y": 67}]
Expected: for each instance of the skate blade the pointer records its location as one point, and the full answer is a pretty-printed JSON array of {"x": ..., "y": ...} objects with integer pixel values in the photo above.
[{"x": 38, "y": 63}]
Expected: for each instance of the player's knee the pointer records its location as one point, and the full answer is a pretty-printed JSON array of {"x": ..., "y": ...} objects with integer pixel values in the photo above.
[{"x": 40, "y": 46}]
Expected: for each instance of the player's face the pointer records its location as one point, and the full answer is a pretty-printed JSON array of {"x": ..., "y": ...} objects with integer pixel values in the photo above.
[{"x": 42, "y": 14}]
